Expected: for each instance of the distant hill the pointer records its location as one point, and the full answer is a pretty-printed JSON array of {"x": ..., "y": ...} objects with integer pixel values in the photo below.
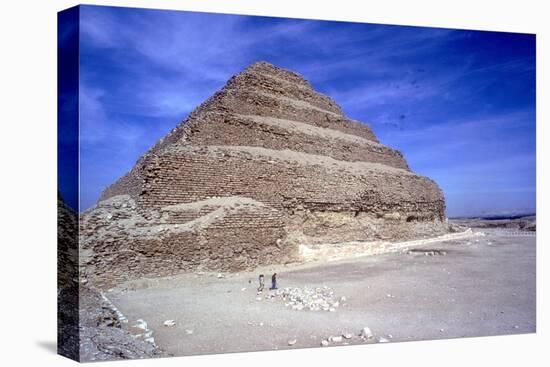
[{"x": 499, "y": 216}]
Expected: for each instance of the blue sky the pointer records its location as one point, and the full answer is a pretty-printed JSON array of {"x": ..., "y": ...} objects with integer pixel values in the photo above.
[{"x": 459, "y": 104}]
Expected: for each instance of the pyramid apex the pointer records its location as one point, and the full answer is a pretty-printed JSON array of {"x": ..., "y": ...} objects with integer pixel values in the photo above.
[{"x": 269, "y": 68}]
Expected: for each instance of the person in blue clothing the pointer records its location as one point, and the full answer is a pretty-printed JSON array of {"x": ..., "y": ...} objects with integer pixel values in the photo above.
[{"x": 274, "y": 281}]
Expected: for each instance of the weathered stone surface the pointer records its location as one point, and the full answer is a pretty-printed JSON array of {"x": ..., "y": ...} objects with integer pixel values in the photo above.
[
  {"x": 68, "y": 334},
  {"x": 264, "y": 165}
]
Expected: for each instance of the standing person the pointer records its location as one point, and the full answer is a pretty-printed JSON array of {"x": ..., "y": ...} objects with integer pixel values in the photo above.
[
  {"x": 274, "y": 281},
  {"x": 261, "y": 280}
]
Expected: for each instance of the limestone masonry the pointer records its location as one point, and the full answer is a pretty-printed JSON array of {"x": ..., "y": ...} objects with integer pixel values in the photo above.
[{"x": 264, "y": 165}]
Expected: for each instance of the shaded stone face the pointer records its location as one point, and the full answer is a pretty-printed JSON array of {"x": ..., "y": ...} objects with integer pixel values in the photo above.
[{"x": 264, "y": 165}]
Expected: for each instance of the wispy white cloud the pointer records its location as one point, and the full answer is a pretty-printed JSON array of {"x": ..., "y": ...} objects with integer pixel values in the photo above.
[{"x": 102, "y": 131}]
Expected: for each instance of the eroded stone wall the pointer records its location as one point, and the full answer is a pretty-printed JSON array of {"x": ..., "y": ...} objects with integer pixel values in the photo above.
[
  {"x": 329, "y": 185},
  {"x": 280, "y": 134},
  {"x": 122, "y": 242}
]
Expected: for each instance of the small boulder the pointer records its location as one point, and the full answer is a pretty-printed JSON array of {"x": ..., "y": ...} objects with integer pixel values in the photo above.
[
  {"x": 169, "y": 323},
  {"x": 366, "y": 333},
  {"x": 141, "y": 324}
]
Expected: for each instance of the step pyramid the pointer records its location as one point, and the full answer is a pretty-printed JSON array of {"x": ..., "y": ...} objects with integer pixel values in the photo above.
[{"x": 264, "y": 166}]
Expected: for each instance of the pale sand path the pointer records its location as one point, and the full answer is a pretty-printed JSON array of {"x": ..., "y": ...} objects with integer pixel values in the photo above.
[{"x": 482, "y": 286}]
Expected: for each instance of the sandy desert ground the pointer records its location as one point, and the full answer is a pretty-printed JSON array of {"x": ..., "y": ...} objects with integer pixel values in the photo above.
[{"x": 480, "y": 285}]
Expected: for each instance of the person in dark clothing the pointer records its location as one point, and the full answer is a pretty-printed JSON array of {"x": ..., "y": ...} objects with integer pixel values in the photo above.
[{"x": 274, "y": 281}]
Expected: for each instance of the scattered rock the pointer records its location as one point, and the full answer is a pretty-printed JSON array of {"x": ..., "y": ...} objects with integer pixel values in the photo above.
[
  {"x": 141, "y": 324},
  {"x": 324, "y": 343},
  {"x": 381, "y": 339},
  {"x": 291, "y": 342},
  {"x": 347, "y": 335},
  {"x": 169, "y": 323},
  {"x": 366, "y": 333},
  {"x": 188, "y": 331},
  {"x": 101, "y": 336},
  {"x": 336, "y": 339},
  {"x": 313, "y": 299}
]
